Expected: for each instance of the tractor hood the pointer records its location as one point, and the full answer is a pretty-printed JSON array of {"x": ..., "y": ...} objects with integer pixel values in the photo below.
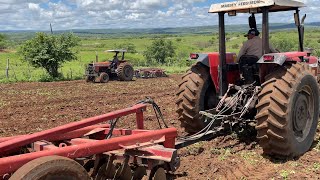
[
  {"x": 249, "y": 6},
  {"x": 101, "y": 63}
]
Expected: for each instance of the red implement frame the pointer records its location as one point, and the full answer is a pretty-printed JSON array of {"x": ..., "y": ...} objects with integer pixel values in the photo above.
[{"x": 72, "y": 145}]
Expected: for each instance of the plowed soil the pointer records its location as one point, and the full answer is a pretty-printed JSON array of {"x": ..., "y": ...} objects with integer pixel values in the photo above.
[{"x": 30, "y": 107}]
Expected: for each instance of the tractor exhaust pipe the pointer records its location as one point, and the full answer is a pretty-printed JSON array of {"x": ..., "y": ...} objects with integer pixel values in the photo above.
[{"x": 300, "y": 27}]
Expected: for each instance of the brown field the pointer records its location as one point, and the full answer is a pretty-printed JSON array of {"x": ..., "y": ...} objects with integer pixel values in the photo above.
[{"x": 31, "y": 107}]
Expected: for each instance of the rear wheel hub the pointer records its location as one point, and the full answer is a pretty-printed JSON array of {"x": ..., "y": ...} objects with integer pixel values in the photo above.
[
  {"x": 302, "y": 113},
  {"x": 127, "y": 71}
]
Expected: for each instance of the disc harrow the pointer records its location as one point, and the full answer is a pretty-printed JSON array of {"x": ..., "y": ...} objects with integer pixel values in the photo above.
[
  {"x": 93, "y": 147},
  {"x": 150, "y": 73}
]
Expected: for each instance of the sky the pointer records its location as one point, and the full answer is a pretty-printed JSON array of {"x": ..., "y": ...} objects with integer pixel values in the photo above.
[{"x": 106, "y": 14}]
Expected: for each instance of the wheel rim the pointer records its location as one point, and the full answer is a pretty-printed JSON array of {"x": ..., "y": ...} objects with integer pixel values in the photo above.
[
  {"x": 303, "y": 113},
  {"x": 105, "y": 78}
]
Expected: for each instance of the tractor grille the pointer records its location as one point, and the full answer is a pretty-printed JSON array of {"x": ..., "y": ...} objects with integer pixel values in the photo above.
[{"x": 90, "y": 70}]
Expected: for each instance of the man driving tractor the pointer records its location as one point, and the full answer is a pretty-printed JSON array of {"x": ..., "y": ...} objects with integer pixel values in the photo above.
[
  {"x": 253, "y": 47},
  {"x": 251, "y": 51}
]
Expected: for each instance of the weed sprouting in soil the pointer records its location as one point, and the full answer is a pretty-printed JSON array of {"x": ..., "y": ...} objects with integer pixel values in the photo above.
[
  {"x": 225, "y": 154},
  {"x": 215, "y": 151},
  {"x": 316, "y": 166},
  {"x": 2, "y": 103},
  {"x": 251, "y": 157},
  {"x": 195, "y": 149},
  {"x": 317, "y": 146},
  {"x": 294, "y": 164},
  {"x": 285, "y": 174}
]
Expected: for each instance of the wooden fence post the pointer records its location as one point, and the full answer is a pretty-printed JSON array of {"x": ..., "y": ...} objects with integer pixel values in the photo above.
[
  {"x": 97, "y": 58},
  {"x": 70, "y": 73},
  {"x": 29, "y": 71},
  {"x": 7, "y": 69}
]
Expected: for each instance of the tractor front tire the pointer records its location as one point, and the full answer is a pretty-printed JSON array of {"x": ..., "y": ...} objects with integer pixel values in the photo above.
[
  {"x": 104, "y": 77},
  {"x": 89, "y": 78},
  {"x": 125, "y": 72},
  {"x": 287, "y": 112},
  {"x": 196, "y": 93}
]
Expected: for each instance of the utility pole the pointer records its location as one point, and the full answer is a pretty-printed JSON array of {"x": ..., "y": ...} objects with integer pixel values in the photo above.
[{"x": 51, "y": 28}]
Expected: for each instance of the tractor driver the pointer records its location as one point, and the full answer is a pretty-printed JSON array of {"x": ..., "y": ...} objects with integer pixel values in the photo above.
[
  {"x": 253, "y": 46},
  {"x": 115, "y": 61}
]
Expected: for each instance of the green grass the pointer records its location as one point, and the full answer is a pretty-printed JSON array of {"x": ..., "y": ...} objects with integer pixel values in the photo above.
[{"x": 184, "y": 44}]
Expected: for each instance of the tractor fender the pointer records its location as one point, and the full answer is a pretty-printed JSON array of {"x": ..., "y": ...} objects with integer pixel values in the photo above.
[
  {"x": 280, "y": 58},
  {"x": 212, "y": 61},
  {"x": 232, "y": 68},
  {"x": 203, "y": 59},
  {"x": 273, "y": 58}
]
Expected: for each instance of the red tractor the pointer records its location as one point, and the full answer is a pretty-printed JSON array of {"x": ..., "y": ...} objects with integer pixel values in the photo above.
[
  {"x": 103, "y": 71},
  {"x": 277, "y": 94}
]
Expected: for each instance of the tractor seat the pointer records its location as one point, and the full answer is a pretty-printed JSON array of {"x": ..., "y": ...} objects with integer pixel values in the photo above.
[
  {"x": 249, "y": 68},
  {"x": 248, "y": 60}
]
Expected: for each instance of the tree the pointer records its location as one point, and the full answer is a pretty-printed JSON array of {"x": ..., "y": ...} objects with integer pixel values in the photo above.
[
  {"x": 159, "y": 51},
  {"x": 49, "y": 51},
  {"x": 3, "y": 43},
  {"x": 284, "y": 42}
]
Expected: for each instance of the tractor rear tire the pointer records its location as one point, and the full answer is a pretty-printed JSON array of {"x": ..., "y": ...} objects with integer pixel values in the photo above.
[
  {"x": 287, "y": 112},
  {"x": 104, "y": 77},
  {"x": 125, "y": 72},
  {"x": 196, "y": 93}
]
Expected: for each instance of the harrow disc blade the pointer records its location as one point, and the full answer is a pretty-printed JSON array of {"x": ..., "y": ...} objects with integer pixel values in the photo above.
[
  {"x": 123, "y": 172},
  {"x": 139, "y": 172},
  {"x": 106, "y": 171},
  {"x": 159, "y": 174}
]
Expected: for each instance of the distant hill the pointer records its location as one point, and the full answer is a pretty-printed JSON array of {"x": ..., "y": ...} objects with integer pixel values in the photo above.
[
  {"x": 187, "y": 30},
  {"x": 118, "y": 33},
  {"x": 178, "y": 31}
]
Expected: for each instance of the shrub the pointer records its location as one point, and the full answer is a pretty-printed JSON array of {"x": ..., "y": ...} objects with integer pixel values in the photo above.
[
  {"x": 235, "y": 46},
  {"x": 159, "y": 51},
  {"x": 49, "y": 51},
  {"x": 284, "y": 44},
  {"x": 3, "y": 43}
]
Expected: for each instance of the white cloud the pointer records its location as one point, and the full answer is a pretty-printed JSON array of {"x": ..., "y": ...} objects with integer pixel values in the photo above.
[
  {"x": 70, "y": 14},
  {"x": 33, "y": 6}
]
